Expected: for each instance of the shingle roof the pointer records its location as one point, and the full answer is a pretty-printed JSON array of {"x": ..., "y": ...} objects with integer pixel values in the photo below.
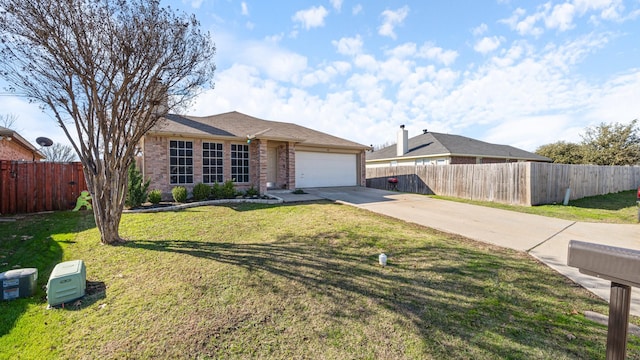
[
  {"x": 437, "y": 144},
  {"x": 238, "y": 126}
]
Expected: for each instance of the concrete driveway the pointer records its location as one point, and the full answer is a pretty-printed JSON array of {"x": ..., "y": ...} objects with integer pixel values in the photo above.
[{"x": 544, "y": 238}]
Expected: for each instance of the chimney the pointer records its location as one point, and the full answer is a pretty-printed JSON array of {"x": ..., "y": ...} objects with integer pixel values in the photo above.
[{"x": 403, "y": 141}]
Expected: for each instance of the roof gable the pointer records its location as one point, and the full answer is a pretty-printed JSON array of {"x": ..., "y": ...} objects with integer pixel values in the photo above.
[
  {"x": 438, "y": 144},
  {"x": 235, "y": 125}
]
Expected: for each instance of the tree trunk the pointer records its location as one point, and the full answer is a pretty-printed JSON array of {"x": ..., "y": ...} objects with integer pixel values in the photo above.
[{"x": 108, "y": 192}]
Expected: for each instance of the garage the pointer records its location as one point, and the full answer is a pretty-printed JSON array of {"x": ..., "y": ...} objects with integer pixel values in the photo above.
[{"x": 315, "y": 169}]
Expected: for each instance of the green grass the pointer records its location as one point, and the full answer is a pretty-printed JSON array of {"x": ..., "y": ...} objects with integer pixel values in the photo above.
[
  {"x": 618, "y": 208},
  {"x": 260, "y": 281}
]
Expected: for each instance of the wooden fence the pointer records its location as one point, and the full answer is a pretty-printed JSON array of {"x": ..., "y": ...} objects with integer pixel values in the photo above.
[
  {"x": 28, "y": 187},
  {"x": 523, "y": 183}
]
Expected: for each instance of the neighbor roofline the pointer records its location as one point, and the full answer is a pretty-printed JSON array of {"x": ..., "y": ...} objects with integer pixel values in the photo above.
[
  {"x": 451, "y": 155},
  {"x": 409, "y": 157}
]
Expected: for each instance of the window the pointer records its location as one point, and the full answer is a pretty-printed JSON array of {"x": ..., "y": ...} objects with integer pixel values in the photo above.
[
  {"x": 393, "y": 163},
  {"x": 419, "y": 162},
  {"x": 212, "y": 171},
  {"x": 181, "y": 162},
  {"x": 240, "y": 163}
]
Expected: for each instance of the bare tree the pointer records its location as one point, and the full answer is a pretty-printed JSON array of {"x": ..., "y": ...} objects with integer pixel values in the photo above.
[
  {"x": 58, "y": 153},
  {"x": 104, "y": 68},
  {"x": 8, "y": 121}
]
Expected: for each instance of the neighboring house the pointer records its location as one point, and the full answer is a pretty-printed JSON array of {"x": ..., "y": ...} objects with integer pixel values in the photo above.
[
  {"x": 431, "y": 148},
  {"x": 186, "y": 150},
  {"x": 15, "y": 147}
]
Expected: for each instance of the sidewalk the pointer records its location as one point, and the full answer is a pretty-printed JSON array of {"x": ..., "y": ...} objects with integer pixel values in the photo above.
[{"x": 544, "y": 238}]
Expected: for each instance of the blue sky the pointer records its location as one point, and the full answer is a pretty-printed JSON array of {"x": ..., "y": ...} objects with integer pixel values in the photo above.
[{"x": 522, "y": 73}]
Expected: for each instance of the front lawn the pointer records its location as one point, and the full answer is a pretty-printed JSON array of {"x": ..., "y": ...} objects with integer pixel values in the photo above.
[
  {"x": 286, "y": 282},
  {"x": 617, "y": 208}
]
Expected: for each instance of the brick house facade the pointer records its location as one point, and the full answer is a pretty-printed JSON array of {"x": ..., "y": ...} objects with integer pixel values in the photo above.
[
  {"x": 15, "y": 147},
  {"x": 185, "y": 150}
]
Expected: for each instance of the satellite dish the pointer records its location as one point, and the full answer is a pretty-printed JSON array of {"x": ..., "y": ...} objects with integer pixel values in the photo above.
[{"x": 43, "y": 141}]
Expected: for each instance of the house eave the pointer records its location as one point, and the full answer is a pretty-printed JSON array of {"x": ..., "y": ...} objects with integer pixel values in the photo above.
[
  {"x": 24, "y": 143},
  {"x": 348, "y": 147},
  {"x": 194, "y": 135},
  {"x": 297, "y": 141}
]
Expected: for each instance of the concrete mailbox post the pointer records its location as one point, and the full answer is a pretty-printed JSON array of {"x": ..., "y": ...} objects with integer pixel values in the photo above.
[{"x": 620, "y": 266}]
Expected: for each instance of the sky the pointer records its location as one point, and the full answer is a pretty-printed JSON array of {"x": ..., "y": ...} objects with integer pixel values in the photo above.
[{"x": 520, "y": 73}]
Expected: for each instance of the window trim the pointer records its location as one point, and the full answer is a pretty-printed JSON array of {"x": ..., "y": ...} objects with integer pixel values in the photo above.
[
  {"x": 187, "y": 148},
  {"x": 246, "y": 174},
  {"x": 218, "y": 175}
]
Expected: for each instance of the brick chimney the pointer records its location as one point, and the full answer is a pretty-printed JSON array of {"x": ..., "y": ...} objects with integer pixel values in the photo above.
[{"x": 403, "y": 141}]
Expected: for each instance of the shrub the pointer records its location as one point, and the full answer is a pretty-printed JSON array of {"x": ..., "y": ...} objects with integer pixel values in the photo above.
[
  {"x": 179, "y": 194},
  {"x": 155, "y": 196},
  {"x": 298, "y": 191},
  {"x": 216, "y": 191},
  {"x": 136, "y": 187},
  {"x": 228, "y": 190},
  {"x": 201, "y": 192},
  {"x": 252, "y": 192}
]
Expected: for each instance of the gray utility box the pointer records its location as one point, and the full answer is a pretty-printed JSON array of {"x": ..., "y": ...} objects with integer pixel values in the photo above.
[
  {"x": 68, "y": 281},
  {"x": 18, "y": 283}
]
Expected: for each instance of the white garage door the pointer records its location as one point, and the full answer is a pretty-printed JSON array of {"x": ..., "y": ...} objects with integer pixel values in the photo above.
[{"x": 315, "y": 169}]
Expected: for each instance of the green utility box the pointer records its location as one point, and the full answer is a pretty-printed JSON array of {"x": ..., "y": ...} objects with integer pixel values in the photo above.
[
  {"x": 68, "y": 281},
  {"x": 18, "y": 283}
]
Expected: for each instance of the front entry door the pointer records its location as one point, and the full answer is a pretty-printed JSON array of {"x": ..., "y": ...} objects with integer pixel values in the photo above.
[{"x": 272, "y": 166}]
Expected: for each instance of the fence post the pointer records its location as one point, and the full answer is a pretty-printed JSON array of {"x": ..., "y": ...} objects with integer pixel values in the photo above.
[{"x": 638, "y": 203}]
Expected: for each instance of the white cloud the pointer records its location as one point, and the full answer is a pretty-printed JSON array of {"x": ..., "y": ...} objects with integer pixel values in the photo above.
[
  {"x": 402, "y": 51},
  {"x": 513, "y": 20},
  {"x": 249, "y": 25},
  {"x": 244, "y": 8},
  {"x": 266, "y": 56},
  {"x": 337, "y": 4},
  {"x": 480, "y": 30},
  {"x": 366, "y": 62},
  {"x": 528, "y": 26},
  {"x": 349, "y": 46},
  {"x": 432, "y": 52},
  {"x": 394, "y": 70},
  {"x": 561, "y": 17},
  {"x": 488, "y": 44},
  {"x": 194, "y": 3},
  {"x": 529, "y": 132},
  {"x": 521, "y": 95},
  {"x": 391, "y": 19},
  {"x": 312, "y": 17},
  {"x": 616, "y": 100},
  {"x": 326, "y": 74},
  {"x": 508, "y": 57},
  {"x": 274, "y": 38},
  {"x": 609, "y": 9},
  {"x": 32, "y": 122},
  {"x": 356, "y": 9}
]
